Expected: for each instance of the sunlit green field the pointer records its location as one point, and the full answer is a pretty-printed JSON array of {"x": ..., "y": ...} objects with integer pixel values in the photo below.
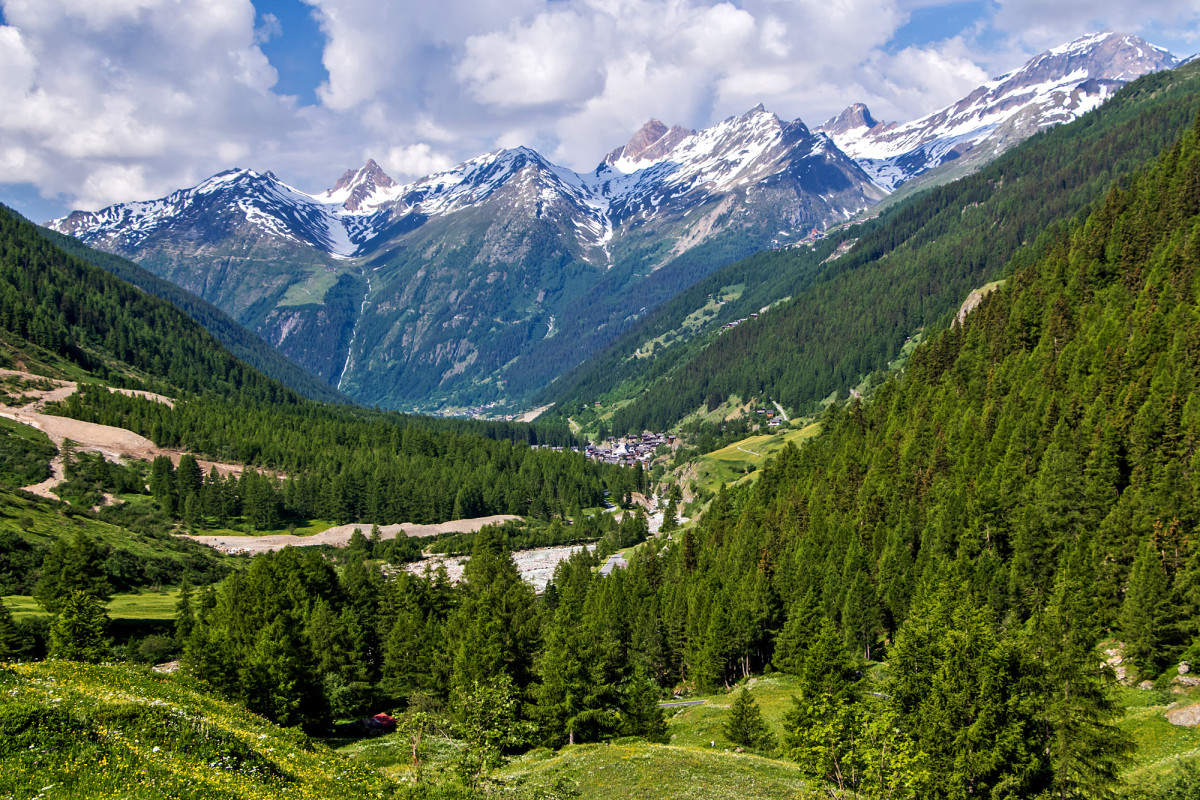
[{"x": 144, "y": 605}]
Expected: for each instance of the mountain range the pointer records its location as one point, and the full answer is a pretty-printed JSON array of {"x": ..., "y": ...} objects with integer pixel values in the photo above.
[{"x": 486, "y": 282}]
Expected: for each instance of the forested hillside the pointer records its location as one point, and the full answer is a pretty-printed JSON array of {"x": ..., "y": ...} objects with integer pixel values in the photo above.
[
  {"x": 103, "y": 325},
  {"x": 907, "y": 271},
  {"x": 344, "y": 464},
  {"x": 241, "y": 342}
]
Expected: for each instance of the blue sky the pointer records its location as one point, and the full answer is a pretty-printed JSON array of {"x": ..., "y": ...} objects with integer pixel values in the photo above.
[{"x": 114, "y": 100}]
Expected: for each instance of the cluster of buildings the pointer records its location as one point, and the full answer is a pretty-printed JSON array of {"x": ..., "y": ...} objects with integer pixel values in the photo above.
[
  {"x": 629, "y": 450},
  {"x": 736, "y": 322}
]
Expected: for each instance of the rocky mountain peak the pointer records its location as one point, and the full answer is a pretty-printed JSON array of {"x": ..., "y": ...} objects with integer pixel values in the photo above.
[
  {"x": 359, "y": 185},
  {"x": 853, "y": 117},
  {"x": 1105, "y": 56},
  {"x": 653, "y": 142}
]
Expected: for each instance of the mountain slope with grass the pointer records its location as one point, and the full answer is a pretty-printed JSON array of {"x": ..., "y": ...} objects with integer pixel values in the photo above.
[{"x": 75, "y": 730}]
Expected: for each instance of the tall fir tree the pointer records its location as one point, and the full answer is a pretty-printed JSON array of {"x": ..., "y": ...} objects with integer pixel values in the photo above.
[
  {"x": 78, "y": 632},
  {"x": 10, "y": 637},
  {"x": 1145, "y": 612},
  {"x": 744, "y": 724}
]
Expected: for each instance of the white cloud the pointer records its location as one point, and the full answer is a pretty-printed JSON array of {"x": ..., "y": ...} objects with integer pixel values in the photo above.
[
  {"x": 415, "y": 161},
  {"x": 105, "y": 99},
  {"x": 1039, "y": 25},
  {"x": 549, "y": 60},
  {"x": 270, "y": 28}
]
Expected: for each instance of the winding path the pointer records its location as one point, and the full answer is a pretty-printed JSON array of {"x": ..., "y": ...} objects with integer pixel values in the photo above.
[{"x": 115, "y": 444}]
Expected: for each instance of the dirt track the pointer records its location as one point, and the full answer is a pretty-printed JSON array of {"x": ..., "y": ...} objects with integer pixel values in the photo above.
[
  {"x": 115, "y": 444},
  {"x": 339, "y": 535}
]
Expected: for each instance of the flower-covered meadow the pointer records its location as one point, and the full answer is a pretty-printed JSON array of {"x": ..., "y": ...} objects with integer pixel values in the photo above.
[{"x": 115, "y": 731}]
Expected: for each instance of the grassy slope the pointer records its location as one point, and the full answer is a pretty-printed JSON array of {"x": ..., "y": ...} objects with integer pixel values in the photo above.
[
  {"x": 664, "y": 772},
  {"x": 69, "y": 731},
  {"x": 700, "y": 763},
  {"x": 733, "y": 463}
]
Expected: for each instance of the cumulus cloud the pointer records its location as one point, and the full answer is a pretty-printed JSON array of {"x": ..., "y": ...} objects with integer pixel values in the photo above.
[
  {"x": 415, "y": 161},
  {"x": 1039, "y": 25},
  {"x": 105, "y": 98}
]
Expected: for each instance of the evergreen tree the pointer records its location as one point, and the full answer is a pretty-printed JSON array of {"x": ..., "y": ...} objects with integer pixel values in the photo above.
[
  {"x": 642, "y": 714},
  {"x": 185, "y": 618},
  {"x": 280, "y": 681},
  {"x": 78, "y": 633},
  {"x": 744, "y": 724},
  {"x": 670, "y": 517},
  {"x": 162, "y": 483},
  {"x": 10, "y": 637},
  {"x": 69, "y": 568},
  {"x": 791, "y": 648},
  {"x": 1078, "y": 713},
  {"x": 187, "y": 478},
  {"x": 1145, "y": 612}
]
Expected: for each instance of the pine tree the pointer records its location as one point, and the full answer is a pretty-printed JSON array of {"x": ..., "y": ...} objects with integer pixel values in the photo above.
[
  {"x": 791, "y": 648},
  {"x": 1078, "y": 712},
  {"x": 744, "y": 724},
  {"x": 670, "y": 517},
  {"x": 280, "y": 680},
  {"x": 185, "y": 617},
  {"x": 68, "y": 568},
  {"x": 642, "y": 714},
  {"x": 10, "y": 636},
  {"x": 187, "y": 478},
  {"x": 78, "y": 632},
  {"x": 1145, "y": 612},
  {"x": 162, "y": 483}
]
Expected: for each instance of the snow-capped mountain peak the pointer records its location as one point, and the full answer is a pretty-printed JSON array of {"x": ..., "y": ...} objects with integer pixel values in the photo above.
[
  {"x": 1055, "y": 86},
  {"x": 660, "y": 169},
  {"x": 364, "y": 188}
]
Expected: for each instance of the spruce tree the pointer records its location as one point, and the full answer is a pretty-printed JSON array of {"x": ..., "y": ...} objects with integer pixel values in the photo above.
[
  {"x": 10, "y": 636},
  {"x": 1145, "y": 611},
  {"x": 185, "y": 617},
  {"x": 744, "y": 724},
  {"x": 78, "y": 632}
]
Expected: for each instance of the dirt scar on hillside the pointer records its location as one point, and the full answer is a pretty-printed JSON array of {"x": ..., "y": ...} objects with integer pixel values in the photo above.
[
  {"x": 115, "y": 444},
  {"x": 339, "y": 535}
]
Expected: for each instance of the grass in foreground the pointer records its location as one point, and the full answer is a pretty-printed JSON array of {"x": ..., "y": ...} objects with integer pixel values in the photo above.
[
  {"x": 1161, "y": 747},
  {"x": 638, "y": 769},
  {"x": 72, "y": 730}
]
